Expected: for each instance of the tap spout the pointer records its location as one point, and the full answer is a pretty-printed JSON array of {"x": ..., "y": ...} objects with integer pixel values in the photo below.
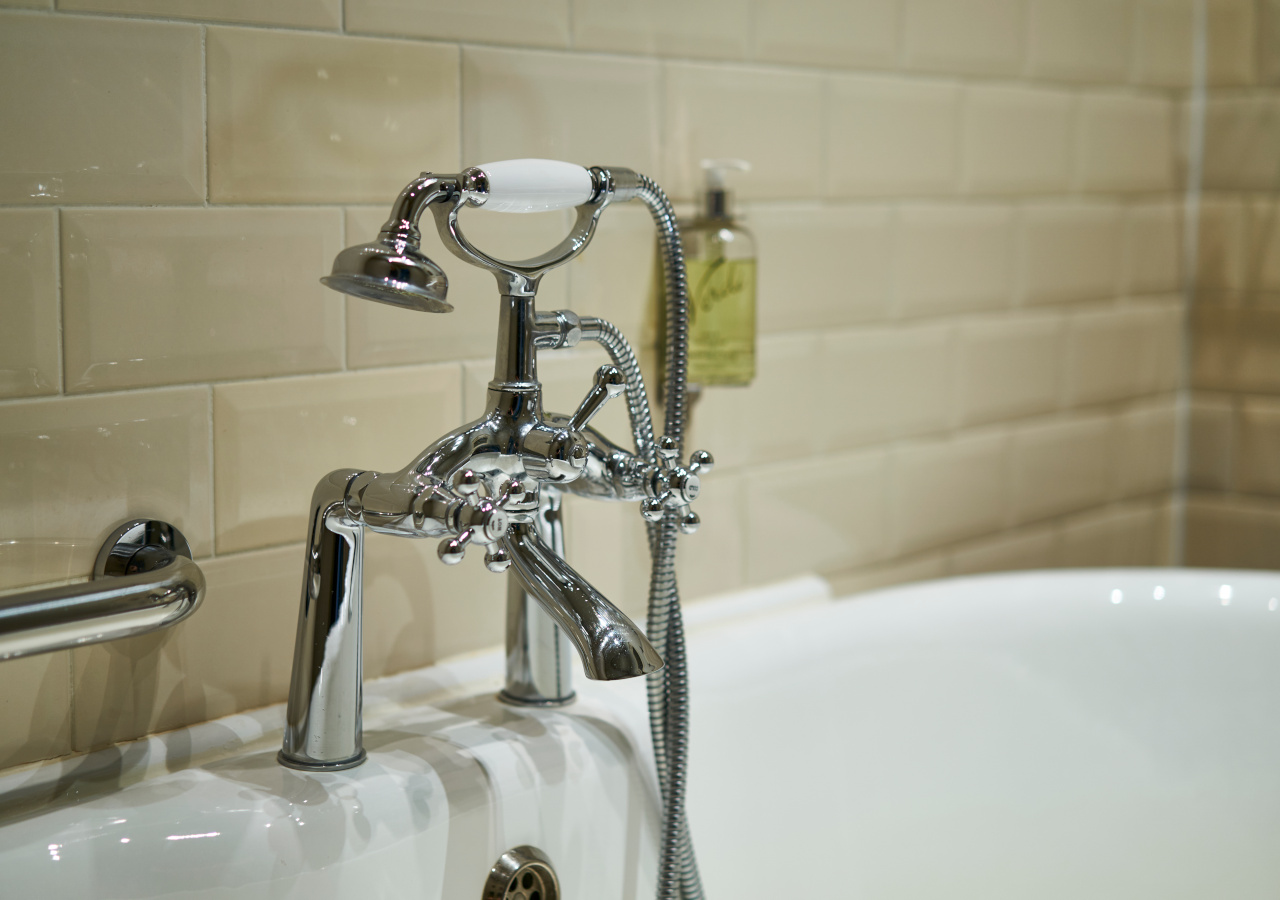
[{"x": 610, "y": 644}]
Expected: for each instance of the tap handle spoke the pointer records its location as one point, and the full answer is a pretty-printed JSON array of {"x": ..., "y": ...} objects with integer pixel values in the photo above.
[{"x": 609, "y": 384}]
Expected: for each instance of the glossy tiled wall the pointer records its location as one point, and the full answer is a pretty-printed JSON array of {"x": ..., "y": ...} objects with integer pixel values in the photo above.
[
  {"x": 969, "y": 218},
  {"x": 1233, "y": 508}
]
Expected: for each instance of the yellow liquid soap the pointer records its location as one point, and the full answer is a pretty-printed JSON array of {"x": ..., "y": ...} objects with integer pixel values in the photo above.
[{"x": 722, "y": 320}]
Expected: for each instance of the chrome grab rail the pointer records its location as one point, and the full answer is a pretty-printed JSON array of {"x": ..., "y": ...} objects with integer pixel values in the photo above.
[{"x": 143, "y": 580}]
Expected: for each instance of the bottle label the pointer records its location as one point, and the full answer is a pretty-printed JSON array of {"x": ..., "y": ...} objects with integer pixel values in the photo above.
[{"x": 722, "y": 320}]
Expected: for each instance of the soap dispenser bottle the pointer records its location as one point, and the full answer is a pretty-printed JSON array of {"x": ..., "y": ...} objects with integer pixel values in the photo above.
[{"x": 720, "y": 257}]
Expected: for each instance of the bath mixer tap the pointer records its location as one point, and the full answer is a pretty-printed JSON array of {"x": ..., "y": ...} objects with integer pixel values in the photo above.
[{"x": 494, "y": 483}]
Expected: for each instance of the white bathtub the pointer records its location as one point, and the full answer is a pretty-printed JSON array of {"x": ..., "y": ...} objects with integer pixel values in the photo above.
[{"x": 1086, "y": 734}]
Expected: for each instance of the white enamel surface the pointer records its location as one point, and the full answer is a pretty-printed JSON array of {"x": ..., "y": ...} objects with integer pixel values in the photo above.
[
  {"x": 1087, "y": 734},
  {"x": 535, "y": 185}
]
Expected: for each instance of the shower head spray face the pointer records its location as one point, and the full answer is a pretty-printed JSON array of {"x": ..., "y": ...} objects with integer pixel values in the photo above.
[{"x": 391, "y": 270}]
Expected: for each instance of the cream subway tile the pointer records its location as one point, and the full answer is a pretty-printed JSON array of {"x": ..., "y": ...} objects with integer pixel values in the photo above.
[
  {"x": 108, "y": 111},
  {"x": 1081, "y": 40},
  {"x": 1144, "y": 450},
  {"x": 28, "y": 4},
  {"x": 29, "y": 341},
  {"x": 274, "y": 440},
  {"x": 836, "y": 532},
  {"x": 35, "y": 708},
  {"x": 382, "y": 335},
  {"x": 713, "y": 560},
  {"x": 1268, "y": 49},
  {"x": 1255, "y": 466},
  {"x": 893, "y": 137},
  {"x": 1035, "y": 547},
  {"x": 822, "y": 267},
  {"x": 210, "y": 665},
  {"x": 853, "y": 33},
  {"x": 1060, "y": 466},
  {"x": 1016, "y": 140},
  {"x": 1153, "y": 248},
  {"x": 1125, "y": 143},
  {"x": 720, "y": 420},
  {"x": 945, "y": 491},
  {"x": 617, "y": 276},
  {"x": 1232, "y": 533},
  {"x": 952, "y": 258},
  {"x": 1235, "y": 349},
  {"x": 1163, "y": 42},
  {"x": 1242, "y": 142},
  {"x": 594, "y": 111},
  {"x": 719, "y": 28},
  {"x": 314, "y": 118},
  {"x": 981, "y": 37},
  {"x": 785, "y": 388},
  {"x": 1008, "y": 367},
  {"x": 606, "y": 543},
  {"x": 1124, "y": 352},
  {"x": 162, "y": 296},
  {"x": 771, "y": 118},
  {"x": 878, "y": 384},
  {"x": 900, "y": 571},
  {"x": 1164, "y": 533},
  {"x": 1070, "y": 251},
  {"x": 1232, "y": 32},
  {"x": 1210, "y": 442},
  {"x": 541, "y": 23},
  {"x": 322, "y": 14},
  {"x": 76, "y": 467},
  {"x": 1222, "y": 245},
  {"x": 1262, "y": 252},
  {"x": 1127, "y": 535}
]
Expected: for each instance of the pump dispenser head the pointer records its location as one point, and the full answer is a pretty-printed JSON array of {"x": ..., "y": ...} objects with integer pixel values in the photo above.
[{"x": 717, "y": 195}]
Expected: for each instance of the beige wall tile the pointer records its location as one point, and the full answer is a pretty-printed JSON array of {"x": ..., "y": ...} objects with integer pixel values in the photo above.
[
  {"x": 1255, "y": 463},
  {"x": 719, "y": 28},
  {"x": 1220, "y": 258},
  {"x": 892, "y": 137},
  {"x": 1235, "y": 349},
  {"x": 713, "y": 560},
  {"x": 1125, "y": 143},
  {"x": 786, "y": 386},
  {"x": 617, "y": 277},
  {"x": 1070, "y": 251},
  {"x": 594, "y": 111},
  {"x": 948, "y": 490},
  {"x": 1268, "y": 48},
  {"x": 721, "y": 419},
  {"x": 1233, "y": 533},
  {"x": 1080, "y": 40},
  {"x": 805, "y": 257},
  {"x": 109, "y": 111},
  {"x": 1163, "y": 36},
  {"x": 952, "y": 258},
  {"x": 1153, "y": 249},
  {"x": 319, "y": 119},
  {"x": 1232, "y": 37},
  {"x": 1007, "y": 367},
  {"x": 223, "y": 293},
  {"x": 1016, "y": 139},
  {"x": 29, "y": 341},
  {"x": 904, "y": 571},
  {"x": 1242, "y": 142},
  {"x": 853, "y": 33},
  {"x": 35, "y": 708},
  {"x": 882, "y": 383},
  {"x": 771, "y": 118},
  {"x": 542, "y": 23},
  {"x": 1144, "y": 450},
  {"x": 1116, "y": 536},
  {"x": 1024, "y": 548},
  {"x": 1060, "y": 466},
  {"x": 382, "y": 335},
  {"x": 323, "y": 14},
  {"x": 821, "y": 535},
  {"x": 1262, "y": 253},
  {"x": 1210, "y": 442},
  {"x": 606, "y": 544},
  {"x": 965, "y": 36},
  {"x": 76, "y": 467},
  {"x": 1126, "y": 352},
  {"x": 29, "y": 4},
  {"x": 274, "y": 440}
]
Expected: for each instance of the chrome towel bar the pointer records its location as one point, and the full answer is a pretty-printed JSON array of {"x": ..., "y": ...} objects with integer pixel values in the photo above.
[{"x": 143, "y": 580}]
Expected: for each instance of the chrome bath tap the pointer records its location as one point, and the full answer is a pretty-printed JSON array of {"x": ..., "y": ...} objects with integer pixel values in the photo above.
[{"x": 495, "y": 483}]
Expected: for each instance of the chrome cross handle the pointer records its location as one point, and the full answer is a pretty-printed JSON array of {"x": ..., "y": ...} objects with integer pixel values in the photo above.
[{"x": 671, "y": 486}]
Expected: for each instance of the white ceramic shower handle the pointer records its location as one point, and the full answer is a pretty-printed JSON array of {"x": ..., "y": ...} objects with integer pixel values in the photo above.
[{"x": 535, "y": 185}]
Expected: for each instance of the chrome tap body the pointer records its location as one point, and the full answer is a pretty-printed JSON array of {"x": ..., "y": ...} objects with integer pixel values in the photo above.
[{"x": 495, "y": 482}]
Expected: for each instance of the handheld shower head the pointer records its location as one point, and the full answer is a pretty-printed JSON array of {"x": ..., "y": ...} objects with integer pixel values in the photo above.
[{"x": 391, "y": 270}]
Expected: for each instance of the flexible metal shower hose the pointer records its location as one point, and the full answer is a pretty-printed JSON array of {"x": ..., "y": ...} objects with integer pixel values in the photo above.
[{"x": 668, "y": 688}]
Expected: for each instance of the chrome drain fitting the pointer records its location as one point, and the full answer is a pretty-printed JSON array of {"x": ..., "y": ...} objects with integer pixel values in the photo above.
[{"x": 522, "y": 873}]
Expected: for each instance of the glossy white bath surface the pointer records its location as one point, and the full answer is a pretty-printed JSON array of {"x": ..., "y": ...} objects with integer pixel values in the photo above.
[{"x": 1100, "y": 734}]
